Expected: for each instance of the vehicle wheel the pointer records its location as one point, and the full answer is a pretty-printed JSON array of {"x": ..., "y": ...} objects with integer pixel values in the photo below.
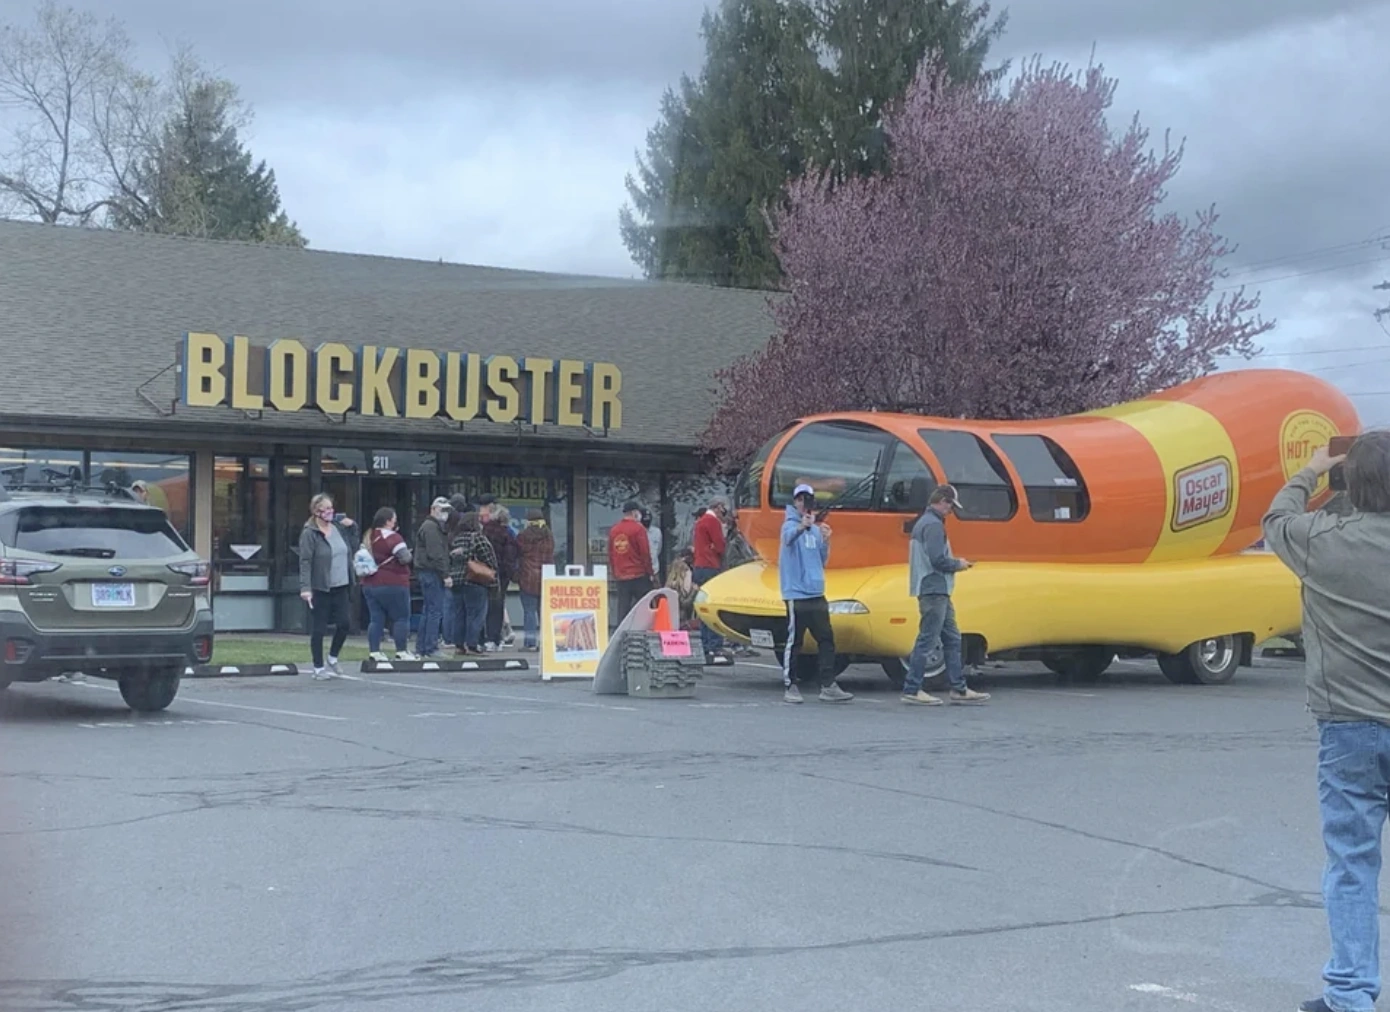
[
  {"x": 1085, "y": 665},
  {"x": 934, "y": 681},
  {"x": 149, "y": 691},
  {"x": 1206, "y": 662}
]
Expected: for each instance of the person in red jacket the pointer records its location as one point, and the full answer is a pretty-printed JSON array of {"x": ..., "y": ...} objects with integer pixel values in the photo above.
[
  {"x": 630, "y": 558},
  {"x": 709, "y": 543}
]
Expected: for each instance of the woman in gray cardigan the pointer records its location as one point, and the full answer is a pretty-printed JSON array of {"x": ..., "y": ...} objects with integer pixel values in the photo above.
[{"x": 325, "y": 580}]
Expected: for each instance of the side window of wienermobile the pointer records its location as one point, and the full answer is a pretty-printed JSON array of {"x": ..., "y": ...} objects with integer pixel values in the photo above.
[
  {"x": 1054, "y": 487},
  {"x": 840, "y": 460},
  {"x": 903, "y": 467},
  {"x": 974, "y": 468},
  {"x": 748, "y": 490}
]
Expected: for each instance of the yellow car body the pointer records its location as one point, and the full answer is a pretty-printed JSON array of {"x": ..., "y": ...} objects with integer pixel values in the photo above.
[{"x": 1162, "y": 607}]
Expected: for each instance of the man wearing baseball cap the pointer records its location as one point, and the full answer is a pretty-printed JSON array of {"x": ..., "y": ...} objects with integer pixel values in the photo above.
[
  {"x": 805, "y": 546},
  {"x": 432, "y": 569},
  {"x": 932, "y": 573}
]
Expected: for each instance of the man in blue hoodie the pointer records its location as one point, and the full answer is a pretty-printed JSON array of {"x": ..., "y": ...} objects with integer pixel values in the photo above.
[{"x": 805, "y": 545}]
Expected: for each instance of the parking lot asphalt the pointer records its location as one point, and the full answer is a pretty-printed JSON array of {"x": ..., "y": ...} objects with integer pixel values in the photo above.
[{"x": 490, "y": 842}]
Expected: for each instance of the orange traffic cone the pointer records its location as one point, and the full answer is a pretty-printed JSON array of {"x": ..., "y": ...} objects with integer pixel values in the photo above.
[{"x": 662, "y": 622}]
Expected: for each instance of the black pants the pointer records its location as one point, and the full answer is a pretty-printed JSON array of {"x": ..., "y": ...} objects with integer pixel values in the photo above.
[
  {"x": 330, "y": 608},
  {"x": 812, "y": 616},
  {"x": 630, "y": 592}
]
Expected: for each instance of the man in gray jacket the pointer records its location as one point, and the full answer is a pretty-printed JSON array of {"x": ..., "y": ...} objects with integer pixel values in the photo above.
[
  {"x": 1343, "y": 561},
  {"x": 932, "y": 573}
]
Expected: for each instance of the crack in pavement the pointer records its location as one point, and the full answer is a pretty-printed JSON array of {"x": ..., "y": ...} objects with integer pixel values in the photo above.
[
  {"x": 525, "y": 825},
  {"x": 1288, "y": 897},
  {"x": 475, "y": 972}
]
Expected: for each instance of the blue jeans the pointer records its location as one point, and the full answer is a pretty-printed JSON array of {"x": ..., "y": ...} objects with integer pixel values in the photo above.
[
  {"x": 388, "y": 604},
  {"x": 1354, "y": 792},
  {"x": 530, "y": 618},
  {"x": 432, "y": 613},
  {"x": 709, "y": 639},
  {"x": 470, "y": 613},
  {"x": 938, "y": 622}
]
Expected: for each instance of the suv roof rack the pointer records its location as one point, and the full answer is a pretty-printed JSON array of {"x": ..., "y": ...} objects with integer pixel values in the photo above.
[{"x": 110, "y": 490}]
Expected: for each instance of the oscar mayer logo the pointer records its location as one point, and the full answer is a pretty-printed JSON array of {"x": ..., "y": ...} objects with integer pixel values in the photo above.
[
  {"x": 1201, "y": 493},
  {"x": 1302, "y": 433}
]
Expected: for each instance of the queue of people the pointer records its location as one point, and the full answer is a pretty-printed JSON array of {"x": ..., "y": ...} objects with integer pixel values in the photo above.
[{"x": 464, "y": 559}]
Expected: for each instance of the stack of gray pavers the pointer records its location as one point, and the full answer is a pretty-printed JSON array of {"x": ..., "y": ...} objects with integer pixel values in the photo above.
[{"x": 650, "y": 674}]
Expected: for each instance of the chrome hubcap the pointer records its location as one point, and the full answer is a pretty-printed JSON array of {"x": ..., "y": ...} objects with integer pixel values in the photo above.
[{"x": 1216, "y": 654}]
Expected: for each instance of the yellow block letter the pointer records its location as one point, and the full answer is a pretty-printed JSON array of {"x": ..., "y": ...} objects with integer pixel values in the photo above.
[
  {"x": 242, "y": 397},
  {"x": 568, "y": 389},
  {"x": 462, "y": 387},
  {"x": 287, "y": 375},
  {"x": 605, "y": 409},
  {"x": 204, "y": 382},
  {"x": 421, "y": 383},
  {"x": 333, "y": 395},
  {"x": 374, "y": 394},
  {"x": 539, "y": 370},
  {"x": 505, "y": 403}
]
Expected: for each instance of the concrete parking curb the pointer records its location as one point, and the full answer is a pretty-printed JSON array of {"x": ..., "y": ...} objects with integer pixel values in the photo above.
[
  {"x": 477, "y": 664},
  {"x": 240, "y": 670}
]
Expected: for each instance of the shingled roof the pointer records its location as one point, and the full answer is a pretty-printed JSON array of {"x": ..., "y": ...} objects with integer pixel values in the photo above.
[{"x": 90, "y": 316}]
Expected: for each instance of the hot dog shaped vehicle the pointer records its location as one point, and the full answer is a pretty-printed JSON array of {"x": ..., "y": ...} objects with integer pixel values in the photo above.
[{"x": 1130, "y": 529}]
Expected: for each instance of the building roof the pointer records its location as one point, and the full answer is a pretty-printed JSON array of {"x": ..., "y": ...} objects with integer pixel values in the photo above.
[{"x": 91, "y": 316}]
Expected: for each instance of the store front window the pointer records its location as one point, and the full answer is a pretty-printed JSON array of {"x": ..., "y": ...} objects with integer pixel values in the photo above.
[
  {"x": 520, "y": 490},
  {"x": 39, "y": 467},
  {"x": 607, "y": 493},
  {"x": 242, "y": 552},
  {"x": 164, "y": 478}
]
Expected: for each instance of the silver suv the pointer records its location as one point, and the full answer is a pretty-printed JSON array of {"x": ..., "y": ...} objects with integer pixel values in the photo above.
[{"x": 93, "y": 581}]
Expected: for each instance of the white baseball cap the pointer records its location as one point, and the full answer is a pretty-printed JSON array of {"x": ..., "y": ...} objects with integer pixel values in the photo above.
[{"x": 803, "y": 490}]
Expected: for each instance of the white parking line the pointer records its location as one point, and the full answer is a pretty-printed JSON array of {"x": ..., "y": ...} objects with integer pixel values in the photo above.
[
  {"x": 1185, "y": 997},
  {"x": 184, "y": 697},
  {"x": 488, "y": 695}
]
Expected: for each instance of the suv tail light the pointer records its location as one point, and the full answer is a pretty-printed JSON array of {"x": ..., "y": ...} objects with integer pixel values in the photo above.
[
  {"x": 198, "y": 573},
  {"x": 16, "y": 572},
  {"x": 202, "y": 649}
]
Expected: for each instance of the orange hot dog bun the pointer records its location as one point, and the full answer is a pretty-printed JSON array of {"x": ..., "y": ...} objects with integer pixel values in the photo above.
[{"x": 1185, "y": 473}]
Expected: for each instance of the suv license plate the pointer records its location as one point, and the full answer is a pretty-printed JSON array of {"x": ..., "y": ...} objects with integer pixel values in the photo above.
[
  {"x": 761, "y": 638},
  {"x": 113, "y": 595}
]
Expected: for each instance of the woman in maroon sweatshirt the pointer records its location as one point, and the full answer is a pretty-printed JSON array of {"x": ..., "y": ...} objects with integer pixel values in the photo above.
[{"x": 388, "y": 589}]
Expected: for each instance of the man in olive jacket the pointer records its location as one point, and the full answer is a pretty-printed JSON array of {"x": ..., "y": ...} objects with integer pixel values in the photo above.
[
  {"x": 432, "y": 569},
  {"x": 1343, "y": 562}
]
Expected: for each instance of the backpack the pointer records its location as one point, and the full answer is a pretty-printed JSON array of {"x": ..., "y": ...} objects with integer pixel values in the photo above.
[{"x": 363, "y": 561}]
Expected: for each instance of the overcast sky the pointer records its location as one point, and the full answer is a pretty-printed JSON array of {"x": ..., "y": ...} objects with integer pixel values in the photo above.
[{"x": 500, "y": 133}]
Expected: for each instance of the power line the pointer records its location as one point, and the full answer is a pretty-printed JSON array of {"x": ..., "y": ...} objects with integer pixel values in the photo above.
[
  {"x": 1346, "y": 247},
  {"x": 1301, "y": 274},
  {"x": 1300, "y": 354}
]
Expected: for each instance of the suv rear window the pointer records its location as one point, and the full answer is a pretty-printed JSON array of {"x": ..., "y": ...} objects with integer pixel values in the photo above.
[{"x": 92, "y": 532}]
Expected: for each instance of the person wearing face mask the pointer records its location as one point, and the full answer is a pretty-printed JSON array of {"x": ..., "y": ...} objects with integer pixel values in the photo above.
[
  {"x": 432, "y": 570},
  {"x": 325, "y": 579},
  {"x": 387, "y": 589},
  {"x": 932, "y": 573}
]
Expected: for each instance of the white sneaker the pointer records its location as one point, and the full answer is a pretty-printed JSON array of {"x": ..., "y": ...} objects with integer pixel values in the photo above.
[
  {"x": 321, "y": 674},
  {"x": 405, "y": 655},
  {"x": 490, "y": 647},
  {"x": 380, "y": 656},
  {"x": 335, "y": 666}
]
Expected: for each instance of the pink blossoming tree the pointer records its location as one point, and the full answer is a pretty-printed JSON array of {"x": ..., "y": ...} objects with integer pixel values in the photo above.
[{"x": 1014, "y": 263}]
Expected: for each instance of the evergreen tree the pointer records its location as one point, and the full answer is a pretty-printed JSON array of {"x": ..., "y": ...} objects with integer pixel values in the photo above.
[
  {"x": 199, "y": 179},
  {"x": 788, "y": 86}
]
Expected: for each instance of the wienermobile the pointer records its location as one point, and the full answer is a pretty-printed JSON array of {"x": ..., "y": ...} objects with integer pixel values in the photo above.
[{"x": 1129, "y": 530}]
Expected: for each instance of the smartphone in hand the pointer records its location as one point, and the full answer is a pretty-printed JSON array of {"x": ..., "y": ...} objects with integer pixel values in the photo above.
[{"x": 1338, "y": 446}]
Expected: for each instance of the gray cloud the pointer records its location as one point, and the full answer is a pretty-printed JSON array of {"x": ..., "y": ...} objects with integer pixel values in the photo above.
[{"x": 496, "y": 133}]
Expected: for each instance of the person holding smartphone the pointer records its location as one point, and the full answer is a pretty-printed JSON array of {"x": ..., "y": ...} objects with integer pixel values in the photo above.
[
  {"x": 805, "y": 547},
  {"x": 932, "y": 573},
  {"x": 325, "y": 580},
  {"x": 1343, "y": 564}
]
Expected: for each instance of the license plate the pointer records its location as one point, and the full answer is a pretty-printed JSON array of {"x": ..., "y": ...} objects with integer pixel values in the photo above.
[
  {"x": 113, "y": 595},
  {"x": 762, "y": 638}
]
